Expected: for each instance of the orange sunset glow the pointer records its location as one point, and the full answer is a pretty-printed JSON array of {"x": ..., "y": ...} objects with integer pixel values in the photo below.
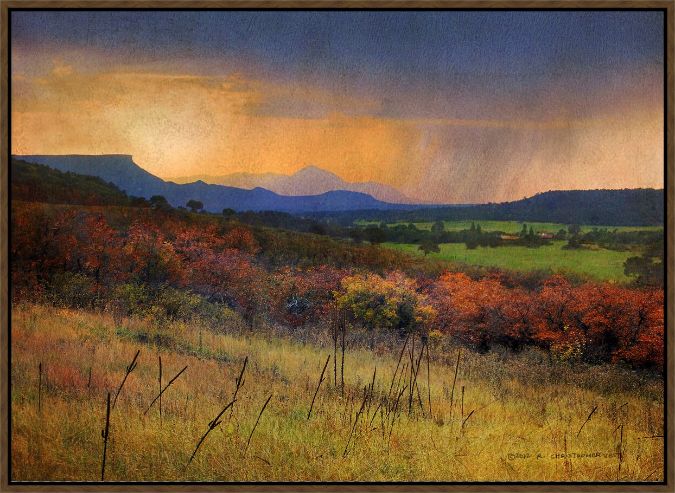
[{"x": 451, "y": 144}]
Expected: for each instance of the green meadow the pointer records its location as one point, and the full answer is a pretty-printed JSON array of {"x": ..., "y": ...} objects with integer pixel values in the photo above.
[
  {"x": 511, "y": 226},
  {"x": 598, "y": 263}
]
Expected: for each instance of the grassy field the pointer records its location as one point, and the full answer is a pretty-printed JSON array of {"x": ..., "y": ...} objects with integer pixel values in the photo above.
[
  {"x": 505, "y": 418},
  {"x": 513, "y": 226},
  {"x": 600, "y": 264}
]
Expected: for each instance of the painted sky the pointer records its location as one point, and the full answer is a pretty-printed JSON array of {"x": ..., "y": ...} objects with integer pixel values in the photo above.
[{"x": 446, "y": 106}]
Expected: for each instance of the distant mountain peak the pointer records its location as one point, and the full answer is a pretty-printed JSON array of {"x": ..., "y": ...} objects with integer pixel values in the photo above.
[
  {"x": 313, "y": 169},
  {"x": 309, "y": 180},
  {"x": 313, "y": 172},
  {"x": 120, "y": 170}
]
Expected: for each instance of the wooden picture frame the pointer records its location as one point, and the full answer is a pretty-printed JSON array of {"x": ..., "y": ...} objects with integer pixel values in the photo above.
[{"x": 6, "y": 481}]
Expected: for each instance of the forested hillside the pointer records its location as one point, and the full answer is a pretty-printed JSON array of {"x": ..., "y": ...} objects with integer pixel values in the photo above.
[{"x": 630, "y": 207}]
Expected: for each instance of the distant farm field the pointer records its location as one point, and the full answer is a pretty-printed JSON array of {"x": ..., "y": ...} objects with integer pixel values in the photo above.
[
  {"x": 599, "y": 263},
  {"x": 512, "y": 226}
]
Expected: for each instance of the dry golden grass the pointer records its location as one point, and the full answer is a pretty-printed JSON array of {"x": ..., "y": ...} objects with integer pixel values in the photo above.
[{"x": 526, "y": 411}]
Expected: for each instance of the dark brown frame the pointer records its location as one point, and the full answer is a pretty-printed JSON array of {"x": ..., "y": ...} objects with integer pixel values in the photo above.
[{"x": 669, "y": 9}]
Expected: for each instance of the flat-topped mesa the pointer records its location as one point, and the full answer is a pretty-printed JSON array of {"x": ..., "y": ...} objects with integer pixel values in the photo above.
[
  {"x": 122, "y": 171},
  {"x": 81, "y": 163}
]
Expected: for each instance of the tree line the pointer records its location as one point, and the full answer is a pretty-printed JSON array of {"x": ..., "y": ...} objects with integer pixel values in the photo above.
[{"x": 135, "y": 261}]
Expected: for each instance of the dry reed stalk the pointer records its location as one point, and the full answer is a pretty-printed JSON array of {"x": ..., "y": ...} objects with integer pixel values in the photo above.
[
  {"x": 248, "y": 442},
  {"x": 379, "y": 406},
  {"x": 419, "y": 400},
  {"x": 40, "y": 387},
  {"x": 351, "y": 406},
  {"x": 396, "y": 413},
  {"x": 431, "y": 414},
  {"x": 239, "y": 384},
  {"x": 321, "y": 378},
  {"x": 587, "y": 420},
  {"x": 160, "y": 390},
  {"x": 335, "y": 342},
  {"x": 462, "y": 402},
  {"x": 401, "y": 384},
  {"x": 370, "y": 392},
  {"x": 398, "y": 363},
  {"x": 382, "y": 422},
  {"x": 342, "y": 364},
  {"x": 128, "y": 371},
  {"x": 213, "y": 424},
  {"x": 568, "y": 463},
  {"x": 159, "y": 396},
  {"x": 412, "y": 369},
  {"x": 416, "y": 371},
  {"x": 105, "y": 433},
  {"x": 264, "y": 461},
  {"x": 467, "y": 419},
  {"x": 452, "y": 393},
  {"x": 372, "y": 382},
  {"x": 388, "y": 401},
  {"x": 620, "y": 454},
  {"x": 356, "y": 420}
]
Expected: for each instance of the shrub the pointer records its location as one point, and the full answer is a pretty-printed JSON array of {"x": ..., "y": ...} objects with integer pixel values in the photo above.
[
  {"x": 72, "y": 290},
  {"x": 386, "y": 304},
  {"x": 127, "y": 300},
  {"x": 174, "y": 304}
]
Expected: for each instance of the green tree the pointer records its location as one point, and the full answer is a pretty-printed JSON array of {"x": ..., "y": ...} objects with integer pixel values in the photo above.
[
  {"x": 644, "y": 270},
  {"x": 438, "y": 227},
  {"x": 374, "y": 235},
  {"x": 574, "y": 239},
  {"x": 356, "y": 234},
  {"x": 428, "y": 246},
  {"x": 159, "y": 202},
  {"x": 194, "y": 205},
  {"x": 471, "y": 243},
  {"x": 647, "y": 269},
  {"x": 382, "y": 304},
  {"x": 574, "y": 229},
  {"x": 573, "y": 242}
]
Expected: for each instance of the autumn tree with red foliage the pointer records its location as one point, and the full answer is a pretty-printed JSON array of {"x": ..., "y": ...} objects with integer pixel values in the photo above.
[
  {"x": 594, "y": 322},
  {"x": 227, "y": 262},
  {"x": 305, "y": 295}
]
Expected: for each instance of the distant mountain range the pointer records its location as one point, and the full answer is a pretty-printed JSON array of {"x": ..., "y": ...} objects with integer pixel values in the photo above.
[
  {"x": 627, "y": 207},
  {"x": 310, "y": 180},
  {"x": 120, "y": 170}
]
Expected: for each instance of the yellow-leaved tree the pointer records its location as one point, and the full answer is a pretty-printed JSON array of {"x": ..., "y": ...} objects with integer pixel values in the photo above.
[{"x": 382, "y": 304}]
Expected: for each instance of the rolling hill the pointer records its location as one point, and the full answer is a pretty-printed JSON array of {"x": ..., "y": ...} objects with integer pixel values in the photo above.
[
  {"x": 310, "y": 180},
  {"x": 36, "y": 182},
  {"x": 121, "y": 170},
  {"x": 627, "y": 207}
]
